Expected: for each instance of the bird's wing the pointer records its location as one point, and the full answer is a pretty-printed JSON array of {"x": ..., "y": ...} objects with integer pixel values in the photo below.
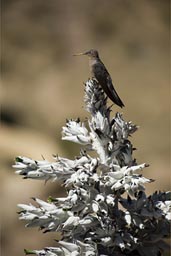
[
  {"x": 113, "y": 94},
  {"x": 104, "y": 79}
]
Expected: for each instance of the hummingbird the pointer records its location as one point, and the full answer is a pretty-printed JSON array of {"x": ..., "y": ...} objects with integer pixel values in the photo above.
[{"x": 100, "y": 73}]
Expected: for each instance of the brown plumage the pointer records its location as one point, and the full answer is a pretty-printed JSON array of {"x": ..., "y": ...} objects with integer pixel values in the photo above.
[{"x": 100, "y": 73}]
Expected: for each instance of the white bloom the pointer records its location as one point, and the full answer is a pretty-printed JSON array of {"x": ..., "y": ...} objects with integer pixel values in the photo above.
[
  {"x": 75, "y": 131},
  {"x": 106, "y": 210},
  {"x": 71, "y": 222}
]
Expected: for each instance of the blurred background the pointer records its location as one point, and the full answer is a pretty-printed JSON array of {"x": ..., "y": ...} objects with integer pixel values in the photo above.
[{"x": 43, "y": 85}]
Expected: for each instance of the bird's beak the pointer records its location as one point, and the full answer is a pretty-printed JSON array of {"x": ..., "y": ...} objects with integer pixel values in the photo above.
[{"x": 81, "y": 53}]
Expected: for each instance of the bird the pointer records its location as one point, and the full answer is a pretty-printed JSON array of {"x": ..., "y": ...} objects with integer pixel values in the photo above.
[{"x": 100, "y": 73}]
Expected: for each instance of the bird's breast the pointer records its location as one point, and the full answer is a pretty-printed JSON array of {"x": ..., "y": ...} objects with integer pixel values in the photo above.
[
  {"x": 94, "y": 67},
  {"x": 92, "y": 62}
]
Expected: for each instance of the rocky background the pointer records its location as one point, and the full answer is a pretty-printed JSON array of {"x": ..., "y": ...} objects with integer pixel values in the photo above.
[{"x": 43, "y": 85}]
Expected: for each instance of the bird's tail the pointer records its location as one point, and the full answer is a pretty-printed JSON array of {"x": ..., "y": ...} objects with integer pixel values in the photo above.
[
  {"x": 115, "y": 98},
  {"x": 112, "y": 94}
]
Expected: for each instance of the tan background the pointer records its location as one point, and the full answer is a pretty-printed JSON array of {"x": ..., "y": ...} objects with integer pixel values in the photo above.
[{"x": 43, "y": 85}]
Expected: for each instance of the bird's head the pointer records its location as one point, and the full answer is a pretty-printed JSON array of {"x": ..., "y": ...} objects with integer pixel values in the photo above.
[{"x": 91, "y": 53}]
